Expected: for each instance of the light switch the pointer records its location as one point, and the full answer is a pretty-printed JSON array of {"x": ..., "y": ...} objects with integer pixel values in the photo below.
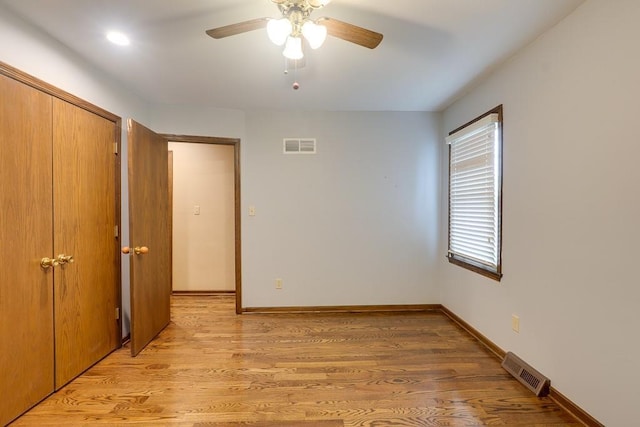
[
  {"x": 196, "y": 210},
  {"x": 252, "y": 211},
  {"x": 515, "y": 323}
]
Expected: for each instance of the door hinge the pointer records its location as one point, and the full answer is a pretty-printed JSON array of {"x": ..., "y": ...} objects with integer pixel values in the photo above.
[
  {"x": 115, "y": 148},
  {"x": 118, "y": 313},
  {"x": 116, "y": 232}
]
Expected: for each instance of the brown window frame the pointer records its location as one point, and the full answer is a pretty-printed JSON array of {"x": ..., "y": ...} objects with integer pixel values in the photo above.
[{"x": 461, "y": 261}]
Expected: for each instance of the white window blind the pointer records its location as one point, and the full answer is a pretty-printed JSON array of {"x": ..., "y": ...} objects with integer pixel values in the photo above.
[{"x": 474, "y": 184}]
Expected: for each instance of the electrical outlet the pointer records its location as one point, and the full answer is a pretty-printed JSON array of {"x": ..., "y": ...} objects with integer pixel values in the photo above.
[
  {"x": 278, "y": 283},
  {"x": 196, "y": 210},
  {"x": 515, "y": 323},
  {"x": 252, "y": 211}
]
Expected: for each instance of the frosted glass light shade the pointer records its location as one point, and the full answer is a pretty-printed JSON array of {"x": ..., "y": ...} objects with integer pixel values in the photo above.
[
  {"x": 293, "y": 48},
  {"x": 314, "y": 33},
  {"x": 318, "y": 3},
  {"x": 278, "y": 30}
]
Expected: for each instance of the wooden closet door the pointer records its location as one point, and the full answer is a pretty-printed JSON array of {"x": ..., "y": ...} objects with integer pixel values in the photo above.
[
  {"x": 86, "y": 291},
  {"x": 26, "y": 289}
]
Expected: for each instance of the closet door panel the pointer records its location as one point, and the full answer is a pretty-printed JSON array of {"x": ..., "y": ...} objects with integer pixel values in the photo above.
[
  {"x": 26, "y": 289},
  {"x": 86, "y": 291}
]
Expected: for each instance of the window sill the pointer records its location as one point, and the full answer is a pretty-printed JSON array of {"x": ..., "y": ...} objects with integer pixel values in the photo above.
[{"x": 495, "y": 275}]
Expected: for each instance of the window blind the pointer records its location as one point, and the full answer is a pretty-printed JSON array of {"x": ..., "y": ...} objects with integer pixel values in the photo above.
[{"x": 474, "y": 191}]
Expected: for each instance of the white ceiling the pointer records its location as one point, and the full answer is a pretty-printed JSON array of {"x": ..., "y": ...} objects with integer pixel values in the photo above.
[{"x": 433, "y": 50}]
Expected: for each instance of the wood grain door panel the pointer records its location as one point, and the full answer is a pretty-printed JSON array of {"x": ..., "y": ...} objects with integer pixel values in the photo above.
[
  {"x": 86, "y": 294},
  {"x": 170, "y": 219},
  {"x": 26, "y": 290},
  {"x": 148, "y": 226}
]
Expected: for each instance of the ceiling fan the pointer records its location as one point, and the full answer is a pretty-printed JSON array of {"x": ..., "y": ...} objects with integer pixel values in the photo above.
[{"x": 296, "y": 25}]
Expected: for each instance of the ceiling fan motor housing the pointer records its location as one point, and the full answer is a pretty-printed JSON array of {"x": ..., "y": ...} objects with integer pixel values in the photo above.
[
  {"x": 307, "y": 4},
  {"x": 298, "y": 12}
]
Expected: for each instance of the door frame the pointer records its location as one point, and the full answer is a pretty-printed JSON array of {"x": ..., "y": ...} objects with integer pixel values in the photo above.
[{"x": 235, "y": 142}]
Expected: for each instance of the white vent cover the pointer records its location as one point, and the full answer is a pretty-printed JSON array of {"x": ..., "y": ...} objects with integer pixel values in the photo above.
[{"x": 299, "y": 145}]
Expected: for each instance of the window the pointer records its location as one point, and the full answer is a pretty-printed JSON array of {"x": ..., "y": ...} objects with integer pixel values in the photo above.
[{"x": 475, "y": 187}]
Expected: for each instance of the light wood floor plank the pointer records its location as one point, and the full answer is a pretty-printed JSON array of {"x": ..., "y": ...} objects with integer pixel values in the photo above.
[{"x": 210, "y": 367}]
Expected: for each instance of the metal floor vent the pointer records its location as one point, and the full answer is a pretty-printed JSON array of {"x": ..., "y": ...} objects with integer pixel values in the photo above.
[{"x": 523, "y": 372}]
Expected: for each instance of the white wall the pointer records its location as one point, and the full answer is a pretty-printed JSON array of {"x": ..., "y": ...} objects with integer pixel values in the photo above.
[
  {"x": 197, "y": 120},
  {"x": 571, "y": 210},
  {"x": 354, "y": 224},
  {"x": 28, "y": 49},
  {"x": 203, "y": 241}
]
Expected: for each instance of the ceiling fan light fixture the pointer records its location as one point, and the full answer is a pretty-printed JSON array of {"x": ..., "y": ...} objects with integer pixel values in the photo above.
[
  {"x": 314, "y": 33},
  {"x": 293, "y": 48},
  {"x": 295, "y": 24},
  {"x": 279, "y": 30},
  {"x": 118, "y": 38}
]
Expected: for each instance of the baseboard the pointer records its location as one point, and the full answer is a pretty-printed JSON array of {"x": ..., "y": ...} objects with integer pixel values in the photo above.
[
  {"x": 346, "y": 309},
  {"x": 202, "y": 293},
  {"x": 577, "y": 412},
  {"x": 562, "y": 401},
  {"x": 497, "y": 351}
]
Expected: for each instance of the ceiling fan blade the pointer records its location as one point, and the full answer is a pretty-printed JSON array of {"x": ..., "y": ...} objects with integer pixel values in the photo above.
[
  {"x": 239, "y": 28},
  {"x": 351, "y": 33}
]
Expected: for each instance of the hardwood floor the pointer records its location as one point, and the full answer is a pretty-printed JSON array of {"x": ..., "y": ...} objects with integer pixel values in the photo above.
[{"x": 211, "y": 367}]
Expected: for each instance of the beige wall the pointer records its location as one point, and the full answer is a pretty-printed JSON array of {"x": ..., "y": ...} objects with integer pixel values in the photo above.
[{"x": 203, "y": 245}]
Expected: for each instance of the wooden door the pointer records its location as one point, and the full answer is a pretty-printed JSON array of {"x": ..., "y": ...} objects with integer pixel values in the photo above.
[
  {"x": 170, "y": 221},
  {"x": 85, "y": 217},
  {"x": 149, "y": 229},
  {"x": 26, "y": 289}
]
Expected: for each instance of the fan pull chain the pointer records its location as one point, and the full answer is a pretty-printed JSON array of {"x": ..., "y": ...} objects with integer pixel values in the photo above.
[{"x": 296, "y": 85}]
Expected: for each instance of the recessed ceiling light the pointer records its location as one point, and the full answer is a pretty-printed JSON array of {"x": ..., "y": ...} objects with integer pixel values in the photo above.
[{"x": 118, "y": 38}]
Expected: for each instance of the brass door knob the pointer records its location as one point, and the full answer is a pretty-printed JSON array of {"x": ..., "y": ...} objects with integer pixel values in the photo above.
[
  {"x": 65, "y": 259},
  {"x": 141, "y": 250},
  {"x": 138, "y": 250},
  {"x": 47, "y": 262}
]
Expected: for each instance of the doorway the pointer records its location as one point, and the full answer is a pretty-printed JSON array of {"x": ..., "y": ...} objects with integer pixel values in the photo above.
[{"x": 205, "y": 199}]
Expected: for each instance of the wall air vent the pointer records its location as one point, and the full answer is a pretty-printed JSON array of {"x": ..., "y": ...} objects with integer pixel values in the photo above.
[
  {"x": 523, "y": 372},
  {"x": 299, "y": 146}
]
